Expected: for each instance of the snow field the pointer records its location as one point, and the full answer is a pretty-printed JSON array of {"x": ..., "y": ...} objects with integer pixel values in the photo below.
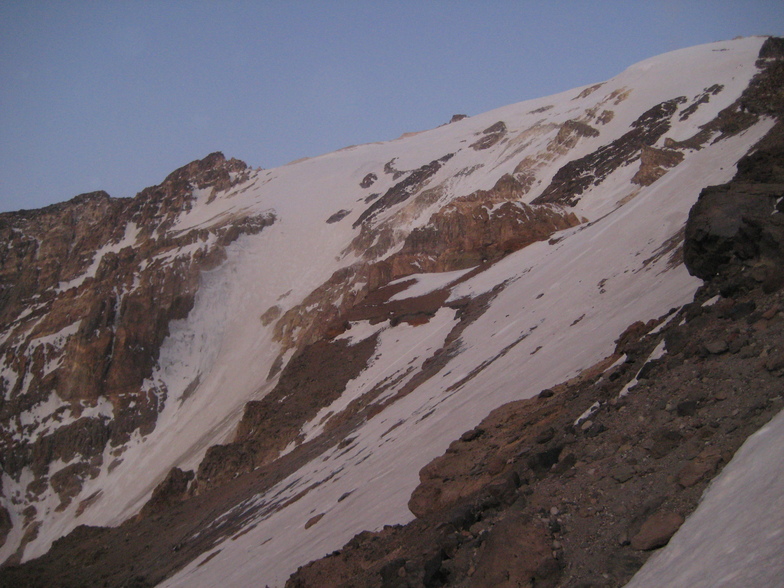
[{"x": 548, "y": 323}]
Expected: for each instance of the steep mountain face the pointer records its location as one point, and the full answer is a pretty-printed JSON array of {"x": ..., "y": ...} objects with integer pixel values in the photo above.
[
  {"x": 89, "y": 290},
  {"x": 579, "y": 485},
  {"x": 241, "y": 369}
]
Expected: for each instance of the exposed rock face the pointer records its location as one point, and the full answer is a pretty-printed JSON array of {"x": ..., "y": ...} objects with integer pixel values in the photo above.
[
  {"x": 578, "y": 175},
  {"x": 703, "y": 98},
  {"x": 401, "y": 191},
  {"x": 338, "y": 216},
  {"x": 490, "y": 136},
  {"x": 481, "y": 227},
  {"x": 569, "y": 133},
  {"x": 168, "y": 493},
  {"x": 654, "y": 163},
  {"x": 736, "y": 221},
  {"x": 368, "y": 180},
  {"x": 657, "y": 530},
  {"x": 763, "y": 97},
  {"x": 88, "y": 289},
  {"x": 484, "y": 226},
  {"x": 741, "y": 221}
]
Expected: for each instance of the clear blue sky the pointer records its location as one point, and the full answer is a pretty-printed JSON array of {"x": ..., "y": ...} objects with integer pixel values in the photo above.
[{"x": 114, "y": 95}]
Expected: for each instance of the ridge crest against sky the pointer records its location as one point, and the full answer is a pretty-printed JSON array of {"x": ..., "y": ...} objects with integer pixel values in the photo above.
[{"x": 114, "y": 96}]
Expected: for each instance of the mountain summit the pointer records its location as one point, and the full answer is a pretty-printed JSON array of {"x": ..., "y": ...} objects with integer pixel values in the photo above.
[{"x": 239, "y": 371}]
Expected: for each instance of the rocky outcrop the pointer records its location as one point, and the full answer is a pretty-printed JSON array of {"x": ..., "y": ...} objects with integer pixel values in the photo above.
[
  {"x": 87, "y": 291},
  {"x": 578, "y": 175},
  {"x": 338, "y": 216},
  {"x": 401, "y": 191},
  {"x": 368, "y": 180},
  {"x": 654, "y": 163},
  {"x": 741, "y": 224},
  {"x": 484, "y": 226},
  {"x": 172, "y": 490},
  {"x": 490, "y": 136},
  {"x": 763, "y": 97},
  {"x": 657, "y": 530},
  {"x": 569, "y": 133},
  {"x": 736, "y": 222}
]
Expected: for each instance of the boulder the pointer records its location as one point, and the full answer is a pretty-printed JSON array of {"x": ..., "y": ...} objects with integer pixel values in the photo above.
[{"x": 657, "y": 530}]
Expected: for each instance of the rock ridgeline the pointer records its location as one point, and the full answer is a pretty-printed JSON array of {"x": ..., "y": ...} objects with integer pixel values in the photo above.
[{"x": 87, "y": 290}]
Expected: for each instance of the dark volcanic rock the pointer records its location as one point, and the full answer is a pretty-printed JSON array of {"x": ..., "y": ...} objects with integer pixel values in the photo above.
[
  {"x": 734, "y": 222},
  {"x": 578, "y": 175}
]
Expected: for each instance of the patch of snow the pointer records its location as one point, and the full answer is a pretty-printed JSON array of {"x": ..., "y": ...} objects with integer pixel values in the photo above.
[
  {"x": 657, "y": 352},
  {"x": 588, "y": 413},
  {"x": 427, "y": 283},
  {"x": 663, "y": 324},
  {"x": 128, "y": 240},
  {"x": 712, "y": 301}
]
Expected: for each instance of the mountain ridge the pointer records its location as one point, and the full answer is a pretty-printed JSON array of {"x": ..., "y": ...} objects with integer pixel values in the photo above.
[{"x": 460, "y": 201}]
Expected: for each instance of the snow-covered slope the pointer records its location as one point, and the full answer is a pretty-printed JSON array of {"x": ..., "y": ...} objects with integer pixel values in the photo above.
[{"x": 644, "y": 143}]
